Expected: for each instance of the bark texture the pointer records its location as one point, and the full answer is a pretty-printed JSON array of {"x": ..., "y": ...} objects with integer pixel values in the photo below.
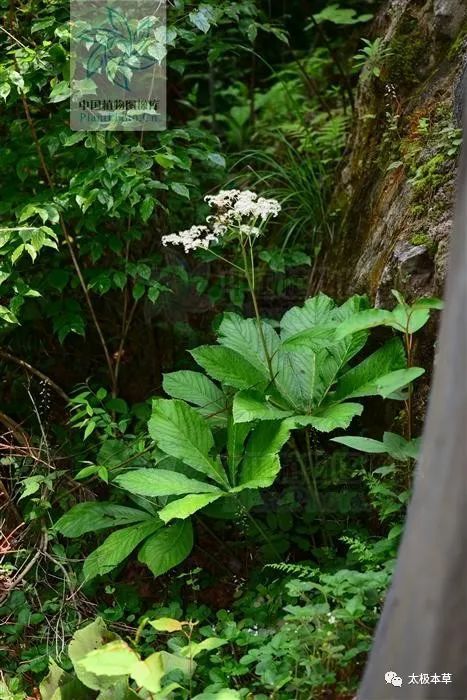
[
  {"x": 396, "y": 191},
  {"x": 423, "y": 628},
  {"x": 397, "y": 223}
]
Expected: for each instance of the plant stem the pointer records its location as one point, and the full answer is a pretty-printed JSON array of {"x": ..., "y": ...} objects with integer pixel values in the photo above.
[
  {"x": 409, "y": 347},
  {"x": 311, "y": 463},
  {"x": 312, "y": 487},
  {"x": 251, "y": 286}
]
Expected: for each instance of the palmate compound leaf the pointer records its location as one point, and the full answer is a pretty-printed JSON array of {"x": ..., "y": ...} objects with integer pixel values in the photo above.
[
  {"x": 117, "y": 547},
  {"x": 228, "y": 367},
  {"x": 167, "y": 547},
  {"x": 94, "y": 515},
  {"x": 312, "y": 357},
  {"x": 154, "y": 483},
  {"x": 197, "y": 389},
  {"x": 243, "y": 336},
  {"x": 181, "y": 432}
]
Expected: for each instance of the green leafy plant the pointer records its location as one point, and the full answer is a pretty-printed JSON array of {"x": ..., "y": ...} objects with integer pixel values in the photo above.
[
  {"x": 371, "y": 57},
  {"x": 221, "y": 435},
  {"x": 105, "y": 666}
]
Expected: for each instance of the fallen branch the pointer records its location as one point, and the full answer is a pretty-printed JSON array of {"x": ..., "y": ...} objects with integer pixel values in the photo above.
[{"x": 29, "y": 368}]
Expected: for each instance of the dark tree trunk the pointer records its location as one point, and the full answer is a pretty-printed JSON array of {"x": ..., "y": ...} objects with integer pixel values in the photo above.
[{"x": 423, "y": 628}]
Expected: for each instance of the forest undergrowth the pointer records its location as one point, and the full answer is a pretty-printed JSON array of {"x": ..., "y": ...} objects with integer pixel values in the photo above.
[{"x": 205, "y": 460}]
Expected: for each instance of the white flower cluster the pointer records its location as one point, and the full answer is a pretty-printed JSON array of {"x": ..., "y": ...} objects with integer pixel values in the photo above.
[
  {"x": 236, "y": 205},
  {"x": 191, "y": 239},
  {"x": 235, "y": 210}
]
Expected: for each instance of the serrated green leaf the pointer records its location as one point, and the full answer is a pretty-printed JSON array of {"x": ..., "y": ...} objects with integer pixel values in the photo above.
[
  {"x": 261, "y": 465},
  {"x": 362, "y": 444},
  {"x": 168, "y": 547},
  {"x": 315, "y": 312},
  {"x": 181, "y": 432},
  {"x": 95, "y": 515},
  {"x": 116, "y": 548},
  {"x": 334, "y": 417},
  {"x": 243, "y": 336},
  {"x": 363, "y": 379},
  {"x": 370, "y": 318},
  {"x": 228, "y": 367},
  {"x": 314, "y": 338},
  {"x": 392, "y": 382},
  {"x": 154, "y": 483},
  {"x": 182, "y": 508},
  {"x": 250, "y": 405},
  {"x": 197, "y": 389}
]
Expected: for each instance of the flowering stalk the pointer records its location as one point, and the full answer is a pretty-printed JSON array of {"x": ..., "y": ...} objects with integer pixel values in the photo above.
[
  {"x": 250, "y": 278},
  {"x": 238, "y": 216}
]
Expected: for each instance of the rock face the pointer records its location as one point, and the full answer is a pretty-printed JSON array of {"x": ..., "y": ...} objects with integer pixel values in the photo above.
[{"x": 396, "y": 190}]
